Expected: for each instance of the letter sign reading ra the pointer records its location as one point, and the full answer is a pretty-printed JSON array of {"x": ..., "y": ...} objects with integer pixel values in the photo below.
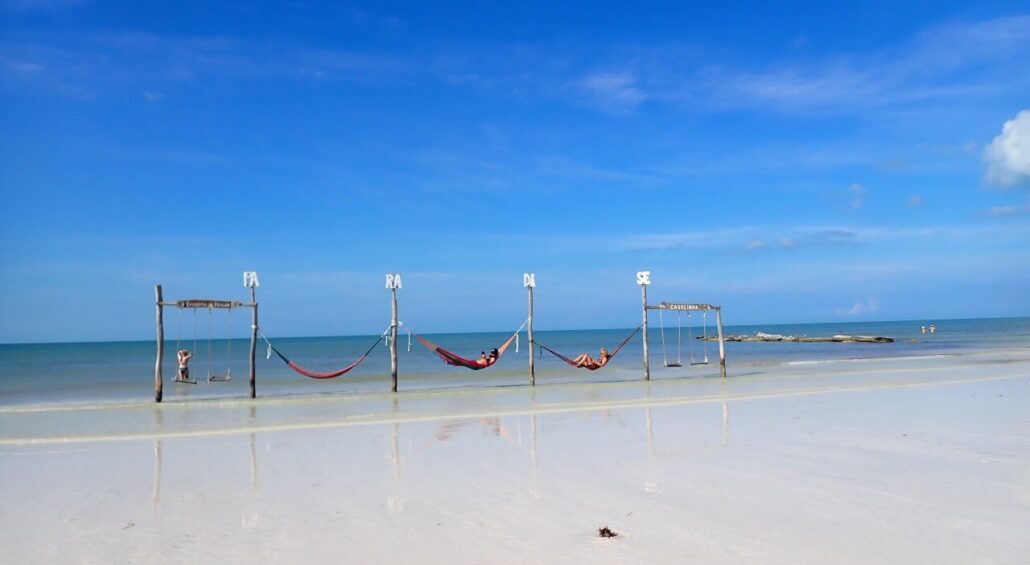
[
  {"x": 393, "y": 280},
  {"x": 644, "y": 277},
  {"x": 529, "y": 280},
  {"x": 250, "y": 279}
]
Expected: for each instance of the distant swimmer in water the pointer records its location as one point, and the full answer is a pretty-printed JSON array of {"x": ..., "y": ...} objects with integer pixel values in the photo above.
[
  {"x": 922, "y": 329},
  {"x": 184, "y": 365},
  {"x": 933, "y": 329}
]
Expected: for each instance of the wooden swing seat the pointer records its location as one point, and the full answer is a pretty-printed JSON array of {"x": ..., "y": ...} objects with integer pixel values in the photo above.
[{"x": 672, "y": 365}]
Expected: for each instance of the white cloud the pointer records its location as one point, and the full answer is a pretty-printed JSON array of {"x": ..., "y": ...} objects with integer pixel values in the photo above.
[
  {"x": 858, "y": 194},
  {"x": 915, "y": 200},
  {"x": 1008, "y": 156},
  {"x": 1012, "y": 210},
  {"x": 614, "y": 91},
  {"x": 861, "y": 307}
]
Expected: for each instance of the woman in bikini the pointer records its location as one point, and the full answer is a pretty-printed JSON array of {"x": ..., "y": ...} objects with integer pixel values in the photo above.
[
  {"x": 184, "y": 365},
  {"x": 585, "y": 360}
]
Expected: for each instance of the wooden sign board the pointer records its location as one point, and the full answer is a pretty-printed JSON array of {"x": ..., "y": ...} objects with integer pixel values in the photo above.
[
  {"x": 204, "y": 303},
  {"x": 685, "y": 307}
]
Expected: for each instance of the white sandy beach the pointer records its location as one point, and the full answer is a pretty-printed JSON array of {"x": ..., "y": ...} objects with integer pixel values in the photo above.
[{"x": 921, "y": 460}]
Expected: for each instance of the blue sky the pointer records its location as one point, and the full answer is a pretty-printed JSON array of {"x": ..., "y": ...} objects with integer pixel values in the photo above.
[{"x": 810, "y": 162}]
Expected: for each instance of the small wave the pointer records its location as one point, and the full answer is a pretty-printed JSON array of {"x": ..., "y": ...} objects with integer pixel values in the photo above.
[{"x": 869, "y": 359}]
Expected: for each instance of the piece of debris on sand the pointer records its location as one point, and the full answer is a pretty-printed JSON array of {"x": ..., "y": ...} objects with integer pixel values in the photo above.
[{"x": 606, "y": 532}]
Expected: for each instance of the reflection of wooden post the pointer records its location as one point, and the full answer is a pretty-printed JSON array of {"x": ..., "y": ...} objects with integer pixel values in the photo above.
[
  {"x": 158, "y": 378},
  {"x": 650, "y": 434},
  {"x": 722, "y": 342},
  {"x": 529, "y": 281},
  {"x": 532, "y": 441},
  {"x": 396, "y": 452},
  {"x": 156, "y": 494},
  {"x": 253, "y": 343},
  {"x": 725, "y": 423}
]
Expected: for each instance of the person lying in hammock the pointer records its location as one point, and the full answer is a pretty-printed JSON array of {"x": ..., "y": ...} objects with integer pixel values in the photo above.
[
  {"x": 586, "y": 361},
  {"x": 487, "y": 360}
]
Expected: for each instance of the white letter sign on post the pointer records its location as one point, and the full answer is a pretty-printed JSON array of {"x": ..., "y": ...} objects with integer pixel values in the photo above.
[
  {"x": 250, "y": 279},
  {"x": 529, "y": 280},
  {"x": 644, "y": 277},
  {"x": 393, "y": 280}
]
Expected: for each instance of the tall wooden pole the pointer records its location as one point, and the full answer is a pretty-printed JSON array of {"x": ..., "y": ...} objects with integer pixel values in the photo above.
[
  {"x": 158, "y": 378},
  {"x": 722, "y": 342},
  {"x": 393, "y": 340},
  {"x": 532, "y": 368},
  {"x": 253, "y": 343},
  {"x": 647, "y": 355}
]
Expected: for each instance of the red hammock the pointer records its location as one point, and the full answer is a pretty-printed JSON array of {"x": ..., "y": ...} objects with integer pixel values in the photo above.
[
  {"x": 323, "y": 375},
  {"x": 592, "y": 366},
  {"x": 459, "y": 361}
]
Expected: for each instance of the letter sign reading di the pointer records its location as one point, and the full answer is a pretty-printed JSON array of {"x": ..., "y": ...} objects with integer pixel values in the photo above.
[
  {"x": 250, "y": 279},
  {"x": 529, "y": 280},
  {"x": 644, "y": 277},
  {"x": 393, "y": 280}
]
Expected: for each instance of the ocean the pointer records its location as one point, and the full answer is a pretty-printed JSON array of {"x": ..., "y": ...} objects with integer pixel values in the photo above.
[{"x": 56, "y": 373}]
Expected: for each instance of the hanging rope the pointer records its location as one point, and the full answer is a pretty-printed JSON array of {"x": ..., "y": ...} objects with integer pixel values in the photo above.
[
  {"x": 228, "y": 354},
  {"x": 690, "y": 337},
  {"x": 679, "y": 338},
  {"x": 178, "y": 333},
  {"x": 209, "y": 356},
  {"x": 704, "y": 321},
  {"x": 661, "y": 326}
]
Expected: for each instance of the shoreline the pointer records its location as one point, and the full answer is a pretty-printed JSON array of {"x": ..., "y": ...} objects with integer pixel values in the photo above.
[{"x": 839, "y": 462}]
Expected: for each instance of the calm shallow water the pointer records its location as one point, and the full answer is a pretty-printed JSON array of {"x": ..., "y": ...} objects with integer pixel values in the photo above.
[{"x": 113, "y": 371}]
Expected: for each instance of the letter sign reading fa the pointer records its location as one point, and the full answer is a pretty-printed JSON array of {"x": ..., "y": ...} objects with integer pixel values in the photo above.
[
  {"x": 644, "y": 278},
  {"x": 250, "y": 279},
  {"x": 529, "y": 280},
  {"x": 393, "y": 280}
]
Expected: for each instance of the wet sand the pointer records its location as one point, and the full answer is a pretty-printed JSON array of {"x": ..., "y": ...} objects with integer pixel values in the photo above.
[{"x": 898, "y": 461}]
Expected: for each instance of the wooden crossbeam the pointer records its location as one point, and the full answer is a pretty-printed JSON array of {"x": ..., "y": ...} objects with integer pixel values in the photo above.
[
  {"x": 207, "y": 303},
  {"x": 682, "y": 307}
]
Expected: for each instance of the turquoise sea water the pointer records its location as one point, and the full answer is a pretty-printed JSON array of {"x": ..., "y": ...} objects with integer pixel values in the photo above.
[{"x": 117, "y": 371}]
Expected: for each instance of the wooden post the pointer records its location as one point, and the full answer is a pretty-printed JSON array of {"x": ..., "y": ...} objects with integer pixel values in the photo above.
[
  {"x": 158, "y": 377},
  {"x": 722, "y": 342},
  {"x": 529, "y": 281},
  {"x": 393, "y": 340},
  {"x": 643, "y": 279},
  {"x": 253, "y": 343}
]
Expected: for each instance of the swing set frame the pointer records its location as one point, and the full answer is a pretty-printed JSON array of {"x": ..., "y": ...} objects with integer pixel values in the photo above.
[
  {"x": 644, "y": 280},
  {"x": 250, "y": 281}
]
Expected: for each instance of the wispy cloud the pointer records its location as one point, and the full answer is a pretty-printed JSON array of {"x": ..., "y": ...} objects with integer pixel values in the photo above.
[
  {"x": 861, "y": 307},
  {"x": 617, "y": 91},
  {"x": 44, "y": 5},
  {"x": 770, "y": 238},
  {"x": 1007, "y": 211},
  {"x": 89, "y": 65}
]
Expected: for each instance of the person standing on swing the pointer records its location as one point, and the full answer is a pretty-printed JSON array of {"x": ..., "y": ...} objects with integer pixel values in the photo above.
[{"x": 184, "y": 364}]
